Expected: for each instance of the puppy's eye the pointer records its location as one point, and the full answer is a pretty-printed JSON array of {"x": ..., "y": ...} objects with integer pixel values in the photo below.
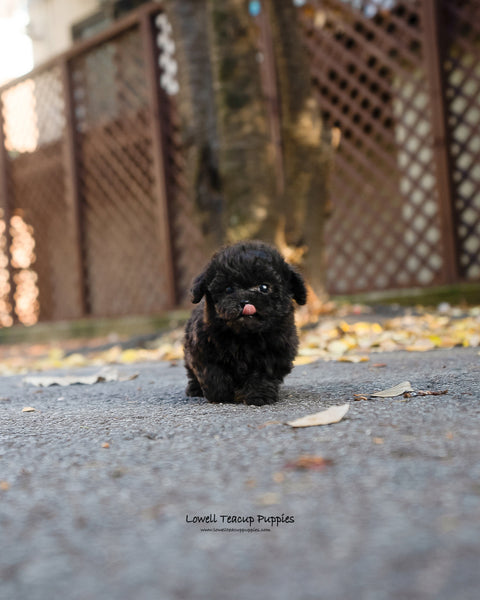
[
  {"x": 264, "y": 288},
  {"x": 229, "y": 289}
]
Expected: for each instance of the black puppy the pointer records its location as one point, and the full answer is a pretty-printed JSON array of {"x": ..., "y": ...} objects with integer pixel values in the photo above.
[{"x": 240, "y": 342}]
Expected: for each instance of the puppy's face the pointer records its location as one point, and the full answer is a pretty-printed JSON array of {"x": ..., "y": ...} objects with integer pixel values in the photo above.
[{"x": 249, "y": 287}]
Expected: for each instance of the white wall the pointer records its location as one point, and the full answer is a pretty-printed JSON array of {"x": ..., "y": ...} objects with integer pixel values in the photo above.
[{"x": 50, "y": 24}]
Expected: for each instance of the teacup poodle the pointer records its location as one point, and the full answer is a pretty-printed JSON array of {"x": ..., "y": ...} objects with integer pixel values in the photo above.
[{"x": 240, "y": 342}]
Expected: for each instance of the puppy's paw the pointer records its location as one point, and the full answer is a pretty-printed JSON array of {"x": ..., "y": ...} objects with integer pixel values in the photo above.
[
  {"x": 259, "y": 401},
  {"x": 194, "y": 390},
  {"x": 218, "y": 386},
  {"x": 258, "y": 393}
]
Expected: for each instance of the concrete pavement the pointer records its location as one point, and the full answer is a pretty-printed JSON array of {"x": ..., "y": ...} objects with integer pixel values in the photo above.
[{"x": 105, "y": 488}]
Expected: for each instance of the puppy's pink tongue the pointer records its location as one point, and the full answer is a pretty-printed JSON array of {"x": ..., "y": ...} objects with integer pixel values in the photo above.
[{"x": 249, "y": 309}]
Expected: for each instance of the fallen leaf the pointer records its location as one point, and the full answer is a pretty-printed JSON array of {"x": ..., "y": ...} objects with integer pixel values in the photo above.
[
  {"x": 29, "y": 409},
  {"x": 75, "y": 360},
  {"x": 425, "y": 393},
  {"x": 46, "y": 381},
  {"x": 104, "y": 375},
  {"x": 106, "y": 445},
  {"x": 309, "y": 463},
  {"x": 377, "y": 440},
  {"x": 4, "y": 486},
  {"x": 378, "y": 365},
  {"x": 332, "y": 415},
  {"x": 421, "y": 346},
  {"x": 352, "y": 358},
  {"x": 304, "y": 360},
  {"x": 338, "y": 347},
  {"x": 396, "y": 390},
  {"x": 129, "y": 356}
]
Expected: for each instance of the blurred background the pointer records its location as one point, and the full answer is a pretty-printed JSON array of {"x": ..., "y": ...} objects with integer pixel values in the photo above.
[{"x": 137, "y": 137}]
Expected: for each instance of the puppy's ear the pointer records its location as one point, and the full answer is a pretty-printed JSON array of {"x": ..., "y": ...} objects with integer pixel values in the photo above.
[
  {"x": 297, "y": 286},
  {"x": 199, "y": 288}
]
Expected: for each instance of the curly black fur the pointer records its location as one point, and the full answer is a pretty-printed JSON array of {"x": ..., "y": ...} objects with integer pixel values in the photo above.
[{"x": 241, "y": 339}]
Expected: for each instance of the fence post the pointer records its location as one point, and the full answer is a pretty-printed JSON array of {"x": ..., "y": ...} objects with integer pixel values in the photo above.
[
  {"x": 5, "y": 204},
  {"x": 152, "y": 73},
  {"x": 268, "y": 74},
  {"x": 73, "y": 184},
  {"x": 432, "y": 48}
]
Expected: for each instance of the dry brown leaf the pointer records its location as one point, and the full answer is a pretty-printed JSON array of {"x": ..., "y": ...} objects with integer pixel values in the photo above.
[
  {"x": 29, "y": 409},
  {"x": 334, "y": 414},
  {"x": 307, "y": 462},
  {"x": 4, "y": 486},
  {"x": 425, "y": 393}
]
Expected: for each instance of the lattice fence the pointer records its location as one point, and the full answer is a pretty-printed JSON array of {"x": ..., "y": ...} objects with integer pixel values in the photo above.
[
  {"x": 42, "y": 255},
  {"x": 367, "y": 67},
  {"x": 93, "y": 173},
  {"x": 116, "y": 165},
  {"x": 462, "y": 90}
]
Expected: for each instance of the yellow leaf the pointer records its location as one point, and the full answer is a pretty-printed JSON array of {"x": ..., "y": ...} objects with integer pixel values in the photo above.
[
  {"x": 55, "y": 354},
  {"x": 129, "y": 356},
  {"x": 421, "y": 346},
  {"x": 353, "y": 359},
  {"x": 362, "y": 327},
  {"x": 75, "y": 360},
  {"x": 337, "y": 347},
  {"x": 111, "y": 355},
  {"x": 304, "y": 360}
]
